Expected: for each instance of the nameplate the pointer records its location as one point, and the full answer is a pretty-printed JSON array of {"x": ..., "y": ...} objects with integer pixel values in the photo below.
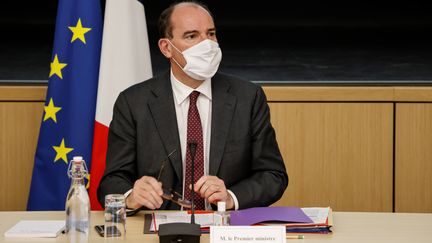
[{"x": 257, "y": 234}]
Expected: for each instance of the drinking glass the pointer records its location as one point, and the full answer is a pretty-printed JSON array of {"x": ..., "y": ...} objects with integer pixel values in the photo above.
[{"x": 115, "y": 215}]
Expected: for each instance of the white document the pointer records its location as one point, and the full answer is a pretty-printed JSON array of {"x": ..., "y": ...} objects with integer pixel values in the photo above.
[
  {"x": 36, "y": 229},
  {"x": 318, "y": 215},
  {"x": 204, "y": 220}
]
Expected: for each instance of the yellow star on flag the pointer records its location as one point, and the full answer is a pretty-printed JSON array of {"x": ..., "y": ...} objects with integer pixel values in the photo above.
[
  {"x": 79, "y": 31},
  {"x": 88, "y": 181},
  {"x": 62, "y": 152},
  {"x": 56, "y": 67},
  {"x": 50, "y": 111}
]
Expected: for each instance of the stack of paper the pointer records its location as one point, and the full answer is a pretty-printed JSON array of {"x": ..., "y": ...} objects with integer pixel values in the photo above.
[
  {"x": 296, "y": 220},
  {"x": 205, "y": 220},
  {"x": 36, "y": 228},
  {"x": 322, "y": 222}
]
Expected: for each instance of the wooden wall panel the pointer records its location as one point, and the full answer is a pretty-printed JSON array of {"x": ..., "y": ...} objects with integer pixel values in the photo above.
[
  {"x": 337, "y": 145},
  {"x": 22, "y": 93},
  {"x": 337, "y": 154},
  {"x": 413, "y": 189},
  {"x": 19, "y": 129}
]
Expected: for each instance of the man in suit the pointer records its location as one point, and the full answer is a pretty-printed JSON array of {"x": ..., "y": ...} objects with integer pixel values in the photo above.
[{"x": 237, "y": 157}]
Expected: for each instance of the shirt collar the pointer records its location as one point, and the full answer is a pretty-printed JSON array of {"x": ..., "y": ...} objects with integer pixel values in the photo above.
[{"x": 182, "y": 91}]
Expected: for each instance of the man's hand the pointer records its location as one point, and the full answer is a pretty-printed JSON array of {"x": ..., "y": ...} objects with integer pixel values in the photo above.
[
  {"x": 213, "y": 189},
  {"x": 147, "y": 192}
]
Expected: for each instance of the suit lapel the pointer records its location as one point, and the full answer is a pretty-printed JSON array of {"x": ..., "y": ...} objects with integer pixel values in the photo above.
[
  {"x": 223, "y": 105},
  {"x": 164, "y": 116}
]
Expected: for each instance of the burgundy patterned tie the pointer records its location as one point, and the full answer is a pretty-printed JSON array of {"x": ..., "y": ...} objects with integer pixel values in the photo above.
[{"x": 194, "y": 133}]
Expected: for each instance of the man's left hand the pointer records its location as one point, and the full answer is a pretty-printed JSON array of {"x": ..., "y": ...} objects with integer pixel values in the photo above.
[{"x": 213, "y": 189}]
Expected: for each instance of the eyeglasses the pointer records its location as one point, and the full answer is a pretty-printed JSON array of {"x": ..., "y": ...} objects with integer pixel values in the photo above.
[{"x": 170, "y": 194}]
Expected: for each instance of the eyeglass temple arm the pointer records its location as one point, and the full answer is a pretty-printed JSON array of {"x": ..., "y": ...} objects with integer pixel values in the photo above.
[{"x": 163, "y": 163}]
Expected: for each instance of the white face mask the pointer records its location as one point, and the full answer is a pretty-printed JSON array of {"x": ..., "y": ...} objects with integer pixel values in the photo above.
[{"x": 202, "y": 59}]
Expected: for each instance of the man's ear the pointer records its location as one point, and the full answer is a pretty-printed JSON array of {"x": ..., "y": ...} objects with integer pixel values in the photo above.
[{"x": 165, "y": 47}]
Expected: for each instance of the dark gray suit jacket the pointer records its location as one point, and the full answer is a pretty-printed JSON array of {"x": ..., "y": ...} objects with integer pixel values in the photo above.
[{"x": 243, "y": 148}]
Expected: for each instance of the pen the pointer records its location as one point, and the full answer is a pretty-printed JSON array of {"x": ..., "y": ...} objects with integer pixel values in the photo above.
[
  {"x": 295, "y": 237},
  {"x": 200, "y": 211}
]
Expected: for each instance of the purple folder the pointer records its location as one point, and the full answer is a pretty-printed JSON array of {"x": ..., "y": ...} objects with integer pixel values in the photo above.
[{"x": 257, "y": 215}]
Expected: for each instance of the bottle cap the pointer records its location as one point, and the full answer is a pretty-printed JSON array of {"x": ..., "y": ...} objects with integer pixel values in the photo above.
[
  {"x": 77, "y": 158},
  {"x": 221, "y": 206}
]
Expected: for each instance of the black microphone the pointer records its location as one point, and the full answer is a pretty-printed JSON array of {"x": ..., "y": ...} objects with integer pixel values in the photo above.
[
  {"x": 183, "y": 232},
  {"x": 192, "y": 150}
]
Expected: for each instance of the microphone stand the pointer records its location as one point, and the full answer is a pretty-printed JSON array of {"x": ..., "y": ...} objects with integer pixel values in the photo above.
[
  {"x": 183, "y": 232},
  {"x": 192, "y": 149}
]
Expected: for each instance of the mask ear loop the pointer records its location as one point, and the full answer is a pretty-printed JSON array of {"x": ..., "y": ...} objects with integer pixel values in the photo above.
[
  {"x": 174, "y": 46},
  {"x": 178, "y": 64}
]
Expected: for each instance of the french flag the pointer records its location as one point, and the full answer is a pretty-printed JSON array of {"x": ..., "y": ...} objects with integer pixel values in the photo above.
[{"x": 125, "y": 60}]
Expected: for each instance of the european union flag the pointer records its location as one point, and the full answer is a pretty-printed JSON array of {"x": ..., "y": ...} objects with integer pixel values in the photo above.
[{"x": 67, "y": 123}]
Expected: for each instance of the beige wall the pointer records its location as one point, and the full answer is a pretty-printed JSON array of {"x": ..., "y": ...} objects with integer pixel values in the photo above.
[{"x": 351, "y": 148}]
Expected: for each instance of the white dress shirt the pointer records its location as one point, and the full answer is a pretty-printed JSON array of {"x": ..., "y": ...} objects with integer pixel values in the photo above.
[{"x": 181, "y": 94}]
